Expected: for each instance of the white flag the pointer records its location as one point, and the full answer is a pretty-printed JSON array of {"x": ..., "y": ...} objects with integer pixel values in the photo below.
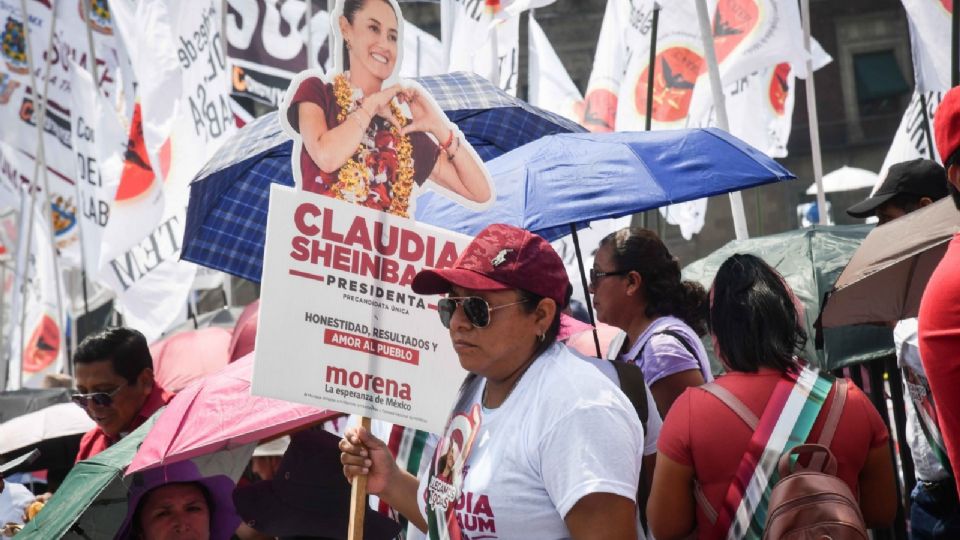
[
  {"x": 98, "y": 139},
  {"x": 930, "y": 40},
  {"x": 186, "y": 116},
  {"x": 41, "y": 349},
  {"x": 479, "y": 41},
  {"x": 422, "y": 53},
  {"x": 550, "y": 86},
  {"x": 910, "y": 140}
]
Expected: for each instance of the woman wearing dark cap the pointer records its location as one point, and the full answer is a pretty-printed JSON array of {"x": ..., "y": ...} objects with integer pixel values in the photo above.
[
  {"x": 636, "y": 286},
  {"x": 540, "y": 444},
  {"x": 724, "y": 439}
]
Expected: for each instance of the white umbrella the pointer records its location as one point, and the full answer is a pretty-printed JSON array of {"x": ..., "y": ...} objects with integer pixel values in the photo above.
[
  {"x": 846, "y": 179},
  {"x": 60, "y": 420}
]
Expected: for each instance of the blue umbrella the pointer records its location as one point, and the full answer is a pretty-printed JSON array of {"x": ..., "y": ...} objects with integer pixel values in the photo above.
[
  {"x": 576, "y": 178},
  {"x": 227, "y": 214}
]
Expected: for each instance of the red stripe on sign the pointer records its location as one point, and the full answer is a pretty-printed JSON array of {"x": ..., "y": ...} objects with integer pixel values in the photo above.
[
  {"x": 432, "y": 306},
  {"x": 383, "y": 349},
  {"x": 298, "y": 273}
]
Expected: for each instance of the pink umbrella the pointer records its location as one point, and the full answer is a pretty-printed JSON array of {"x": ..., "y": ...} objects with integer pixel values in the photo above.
[
  {"x": 187, "y": 356},
  {"x": 218, "y": 413},
  {"x": 245, "y": 331}
]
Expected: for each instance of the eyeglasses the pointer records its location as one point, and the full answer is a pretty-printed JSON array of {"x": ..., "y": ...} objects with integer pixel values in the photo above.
[
  {"x": 102, "y": 399},
  {"x": 596, "y": 275},
  {"x": 475, "y": 308}
]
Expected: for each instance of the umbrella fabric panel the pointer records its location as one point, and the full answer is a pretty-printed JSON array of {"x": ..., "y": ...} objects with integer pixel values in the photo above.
[
  {"x": 232, "y": 236},
  {"x": 809, "y": 260},
  {"x": 219, "y": 413},
  {"x": 886, "y": 277},
  {"x": 182, "y": 358},
  {"x": 55, "y": 421},
  {"x": 256, "y": 137},
  {"x": 15, "y": 403},
  {"x": 575, "y": 178}
]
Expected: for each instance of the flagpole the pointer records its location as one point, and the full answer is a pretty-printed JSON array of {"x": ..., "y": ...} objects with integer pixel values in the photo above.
[
  {"x": 812, "y": 119},
  {"x": 39, "y": 165},
  {"x": 706, "y": 34},
  {"x": 651, "y": 71},
  {"x": 652, "y": 65},
  {"x": 4, "y": 367}
]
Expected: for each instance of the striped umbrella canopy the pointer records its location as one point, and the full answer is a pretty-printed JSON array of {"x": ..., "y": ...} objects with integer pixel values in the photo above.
[{"x": 227, "y": 213}]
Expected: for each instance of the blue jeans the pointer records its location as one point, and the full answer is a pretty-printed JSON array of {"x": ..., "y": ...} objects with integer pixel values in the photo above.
[{"x": 934, "y": 512}]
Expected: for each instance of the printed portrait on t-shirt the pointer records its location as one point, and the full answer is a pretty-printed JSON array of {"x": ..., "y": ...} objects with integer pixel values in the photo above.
[
  {"x": 448, "y": 469},
  {"x": 364, "y": 136}
]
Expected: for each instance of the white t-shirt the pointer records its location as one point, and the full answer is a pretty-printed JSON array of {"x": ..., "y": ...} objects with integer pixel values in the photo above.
[
  {"x": 652, "y": 432},
  {"x": 515, "y": 471},
  {"x": 14, "y": 500},
  {"x": 928, "y": 467}
]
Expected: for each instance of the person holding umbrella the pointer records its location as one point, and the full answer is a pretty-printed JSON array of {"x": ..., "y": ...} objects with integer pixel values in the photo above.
[
  {"x": 636, "y": 286},
  {"x": 357, "y": 143},
  {"x": 934, "y": 508},
  {"x": 939, "y": 318},
  {"x": 540, "y": 443}
]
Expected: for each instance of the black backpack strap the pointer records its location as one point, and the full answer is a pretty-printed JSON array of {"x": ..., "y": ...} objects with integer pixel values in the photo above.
[
  {"x": 675, "y": 335},
  {"x": 633, "y": 385}
]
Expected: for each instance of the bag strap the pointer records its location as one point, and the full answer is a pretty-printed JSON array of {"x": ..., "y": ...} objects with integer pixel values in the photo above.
[
  {"x": 675, "y": 335},
  {"x": 751, "y": 420},
  {"x": 633, "y": 385}
]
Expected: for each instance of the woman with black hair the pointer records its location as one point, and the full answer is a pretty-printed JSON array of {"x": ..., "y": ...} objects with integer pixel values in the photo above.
[
  {"x": 717, "y": 449},
  {"x": 636, "y": 286},
  {"x": 373, "y": 145}
]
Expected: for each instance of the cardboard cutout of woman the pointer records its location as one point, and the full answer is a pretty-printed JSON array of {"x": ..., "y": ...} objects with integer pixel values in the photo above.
[{"x": 363, "y": 136}]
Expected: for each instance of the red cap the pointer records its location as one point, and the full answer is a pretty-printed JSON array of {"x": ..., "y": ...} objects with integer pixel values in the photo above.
[
  {"x": 946, "y": 124},
  {"x": 502, "y": 257}
]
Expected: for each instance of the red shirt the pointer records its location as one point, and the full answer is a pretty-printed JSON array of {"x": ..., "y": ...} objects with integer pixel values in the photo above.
[
  {"x": 702, "y": 433},
  {"x": 96, "y": 441},
  {"x": 939, "y": 329}
]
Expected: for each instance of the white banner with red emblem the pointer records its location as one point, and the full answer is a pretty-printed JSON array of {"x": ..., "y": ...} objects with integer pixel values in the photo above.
[
  {"x": 550, "y": 86},
  {"x": 340, "y": 326}
]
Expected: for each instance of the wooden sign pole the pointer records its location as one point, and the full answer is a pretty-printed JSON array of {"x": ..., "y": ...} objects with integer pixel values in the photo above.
[{"x": 358, "y": 497}]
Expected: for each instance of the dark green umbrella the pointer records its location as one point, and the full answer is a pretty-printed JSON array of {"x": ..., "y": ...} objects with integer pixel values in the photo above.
[
  {"x": 810, "y": 260},
  {"x": 91, "y": 503}
]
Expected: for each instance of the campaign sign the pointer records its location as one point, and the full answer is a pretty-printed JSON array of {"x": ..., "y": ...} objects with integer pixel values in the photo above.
[{"x": 339, "y": 326}]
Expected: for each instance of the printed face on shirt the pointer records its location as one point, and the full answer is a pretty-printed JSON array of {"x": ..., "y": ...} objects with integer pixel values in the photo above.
[
  {"x": 496, "y": 350},
  {"x": 608, "y": 291},
  {"x": 372, "y": 39},
  {"x": 175, "y": 511},
  {"x": 127, "y": 401}
]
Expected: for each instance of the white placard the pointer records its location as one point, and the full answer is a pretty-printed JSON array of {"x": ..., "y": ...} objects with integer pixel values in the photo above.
[{"x": 339, "y": 325}]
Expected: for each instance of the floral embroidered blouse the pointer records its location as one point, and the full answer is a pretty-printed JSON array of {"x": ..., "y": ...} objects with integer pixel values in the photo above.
[{"x": 378, "y": 149}]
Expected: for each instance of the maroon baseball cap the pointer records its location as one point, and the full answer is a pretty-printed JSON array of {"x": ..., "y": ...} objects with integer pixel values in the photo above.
[
  {"x": 502, "y": 257},
  {"x": 946, "y": 124}
]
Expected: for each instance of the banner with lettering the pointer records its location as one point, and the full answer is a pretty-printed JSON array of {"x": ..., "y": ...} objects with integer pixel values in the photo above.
[
  {"x": 930, "y": 42},
  {"x": 339, "y": 325},
  {"x": 98, "y": 139},
  {"x": 185, "y": 114}
]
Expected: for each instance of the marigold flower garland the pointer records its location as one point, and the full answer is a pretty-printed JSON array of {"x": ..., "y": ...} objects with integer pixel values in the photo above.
[{"x": 353, "y": 180}]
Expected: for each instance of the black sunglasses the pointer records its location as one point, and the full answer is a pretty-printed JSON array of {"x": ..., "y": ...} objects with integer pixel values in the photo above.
[
  {"x": 596, "y": 275},
  {"x": 475, "y": 308},
  {"x": 102, "y": 399}
]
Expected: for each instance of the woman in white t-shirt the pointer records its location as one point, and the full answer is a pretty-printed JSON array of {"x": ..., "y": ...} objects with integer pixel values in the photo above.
[
  {"x": 636, "y": 286},
  {"x": 540, "y": 443}
]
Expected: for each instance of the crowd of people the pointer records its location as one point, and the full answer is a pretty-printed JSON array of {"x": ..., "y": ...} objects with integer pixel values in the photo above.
[{"x": 548, "y": 442}]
